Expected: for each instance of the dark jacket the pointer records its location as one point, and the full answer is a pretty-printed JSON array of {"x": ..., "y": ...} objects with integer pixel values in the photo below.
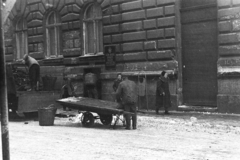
[
  {"x": 163, "y": 100},
  {"x": 116, "y": 84},
  {"x": 127, "y": 91}
]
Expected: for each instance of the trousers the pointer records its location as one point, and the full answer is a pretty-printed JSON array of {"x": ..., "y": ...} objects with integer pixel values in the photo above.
[
  {"x": 131, "y": 108},
  {"x": 34, "y": 75}
]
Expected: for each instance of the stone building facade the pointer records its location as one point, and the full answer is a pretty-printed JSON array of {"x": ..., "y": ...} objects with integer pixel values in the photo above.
[
  {"x": 229, "y": 52},
  {"x": 68, "y": 38}
]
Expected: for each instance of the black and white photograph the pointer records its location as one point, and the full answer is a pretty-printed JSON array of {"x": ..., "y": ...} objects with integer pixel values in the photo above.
[{"x": 120, "y": 79}]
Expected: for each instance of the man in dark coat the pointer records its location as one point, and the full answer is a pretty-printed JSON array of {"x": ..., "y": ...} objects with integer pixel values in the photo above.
[
  {"x": 33, "y": 71},
  {"x": 163, "y": 93},
  {"x": 117, "y": 82},
  {"x": 127, "y": 92}
]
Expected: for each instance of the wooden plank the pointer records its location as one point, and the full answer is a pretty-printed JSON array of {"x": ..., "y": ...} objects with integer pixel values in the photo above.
[{"x": 92, "y": 105}]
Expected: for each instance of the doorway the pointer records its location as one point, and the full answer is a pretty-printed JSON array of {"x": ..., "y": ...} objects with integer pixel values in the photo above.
[
  {"x": 96, "y": 86},
  {"x": 199, "y": 52}
]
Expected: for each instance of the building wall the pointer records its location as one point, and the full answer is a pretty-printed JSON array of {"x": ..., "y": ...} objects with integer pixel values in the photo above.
[
  {"x": 229, "y": 56},
  {"x": 144, "y": 34},
  {"x": 143, "y": 31}
]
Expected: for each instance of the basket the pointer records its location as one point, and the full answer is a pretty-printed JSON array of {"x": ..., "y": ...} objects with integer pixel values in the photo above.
[{"x": 46, "y": 116}]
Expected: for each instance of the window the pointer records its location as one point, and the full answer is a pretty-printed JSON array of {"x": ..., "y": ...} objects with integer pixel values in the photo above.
[
  {"x": 92, "y": 29},
  {"x": 21, "y": 38},
  {"x": 52, "y": 35}
]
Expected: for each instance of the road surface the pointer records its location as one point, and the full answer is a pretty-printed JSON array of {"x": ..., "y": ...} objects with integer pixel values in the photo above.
[{"x": 157, "y": 137}]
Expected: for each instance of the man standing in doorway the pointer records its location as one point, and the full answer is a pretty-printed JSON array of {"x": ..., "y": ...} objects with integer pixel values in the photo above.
[
  {"x": 127, "y": 92},
  {"x": 33, "y": 71}
]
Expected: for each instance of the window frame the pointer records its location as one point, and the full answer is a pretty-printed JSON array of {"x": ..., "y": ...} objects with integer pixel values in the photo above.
[
  {"x": 97, "y": 27},
  {"x": 56, "y": 25},
  {"x": 21, "y": 36}
]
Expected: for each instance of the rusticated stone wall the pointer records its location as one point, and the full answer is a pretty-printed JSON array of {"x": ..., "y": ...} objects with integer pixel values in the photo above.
[
  {"x": 34, "y": 12},
  {"x": 229, "y": 28},
  {"x": 144, "y": 32},
  {"x": 229, "y": 56}
]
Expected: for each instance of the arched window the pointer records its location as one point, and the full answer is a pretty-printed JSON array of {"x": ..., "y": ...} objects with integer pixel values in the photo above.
[
  {"x": 21, "y": 38},
  {"x": 52, "y": 35},
  {"x": 92, "y": 29}
]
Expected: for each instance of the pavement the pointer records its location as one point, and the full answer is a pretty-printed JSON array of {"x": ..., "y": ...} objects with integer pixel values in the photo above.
[{"x": 210, "y": 117}]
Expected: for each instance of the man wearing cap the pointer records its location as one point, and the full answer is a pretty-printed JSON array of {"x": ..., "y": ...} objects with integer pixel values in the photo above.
[
  {"x": 127, "y": 92},
  {"x": 33, "y": 71}
]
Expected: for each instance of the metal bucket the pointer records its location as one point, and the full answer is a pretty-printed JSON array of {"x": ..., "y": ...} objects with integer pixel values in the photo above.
[{"x": 46, "y": 116}]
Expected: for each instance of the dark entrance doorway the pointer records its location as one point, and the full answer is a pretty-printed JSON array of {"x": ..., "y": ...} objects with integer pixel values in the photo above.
[
  {"x": 92, "y": 90},
  {"x": 199, "y": 52}
]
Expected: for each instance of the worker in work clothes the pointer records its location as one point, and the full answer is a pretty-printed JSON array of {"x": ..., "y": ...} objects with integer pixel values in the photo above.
[
  {"x": 163, "y": 93},
  {"x": 33, "y": 71},
  {"x": 127, "y": 92}
]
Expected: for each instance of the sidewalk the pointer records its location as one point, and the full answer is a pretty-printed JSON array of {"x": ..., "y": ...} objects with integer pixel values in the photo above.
[{"x": 201, "y": 117}]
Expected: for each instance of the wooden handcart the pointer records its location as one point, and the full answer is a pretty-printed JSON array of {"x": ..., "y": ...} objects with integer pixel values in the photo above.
[{"x": 104, "y": 109}]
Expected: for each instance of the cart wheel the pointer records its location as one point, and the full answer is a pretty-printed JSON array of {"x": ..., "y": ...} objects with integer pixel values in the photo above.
[
  {"x": 106, "y": 119},
  {"x": 88, "y": 119}
]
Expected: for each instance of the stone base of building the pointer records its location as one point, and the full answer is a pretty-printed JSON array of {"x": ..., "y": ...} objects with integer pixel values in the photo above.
[{"x": 228, "y": 103}]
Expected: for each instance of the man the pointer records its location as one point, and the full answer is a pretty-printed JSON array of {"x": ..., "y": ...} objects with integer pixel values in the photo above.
[
  {"x": 67, "y": 90},
  {"x": 127, "y": 92},
  {"x": 162, "y": 93},
  {"x": 117, "y": 82},
  {"x": 33, "y": 71}
]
